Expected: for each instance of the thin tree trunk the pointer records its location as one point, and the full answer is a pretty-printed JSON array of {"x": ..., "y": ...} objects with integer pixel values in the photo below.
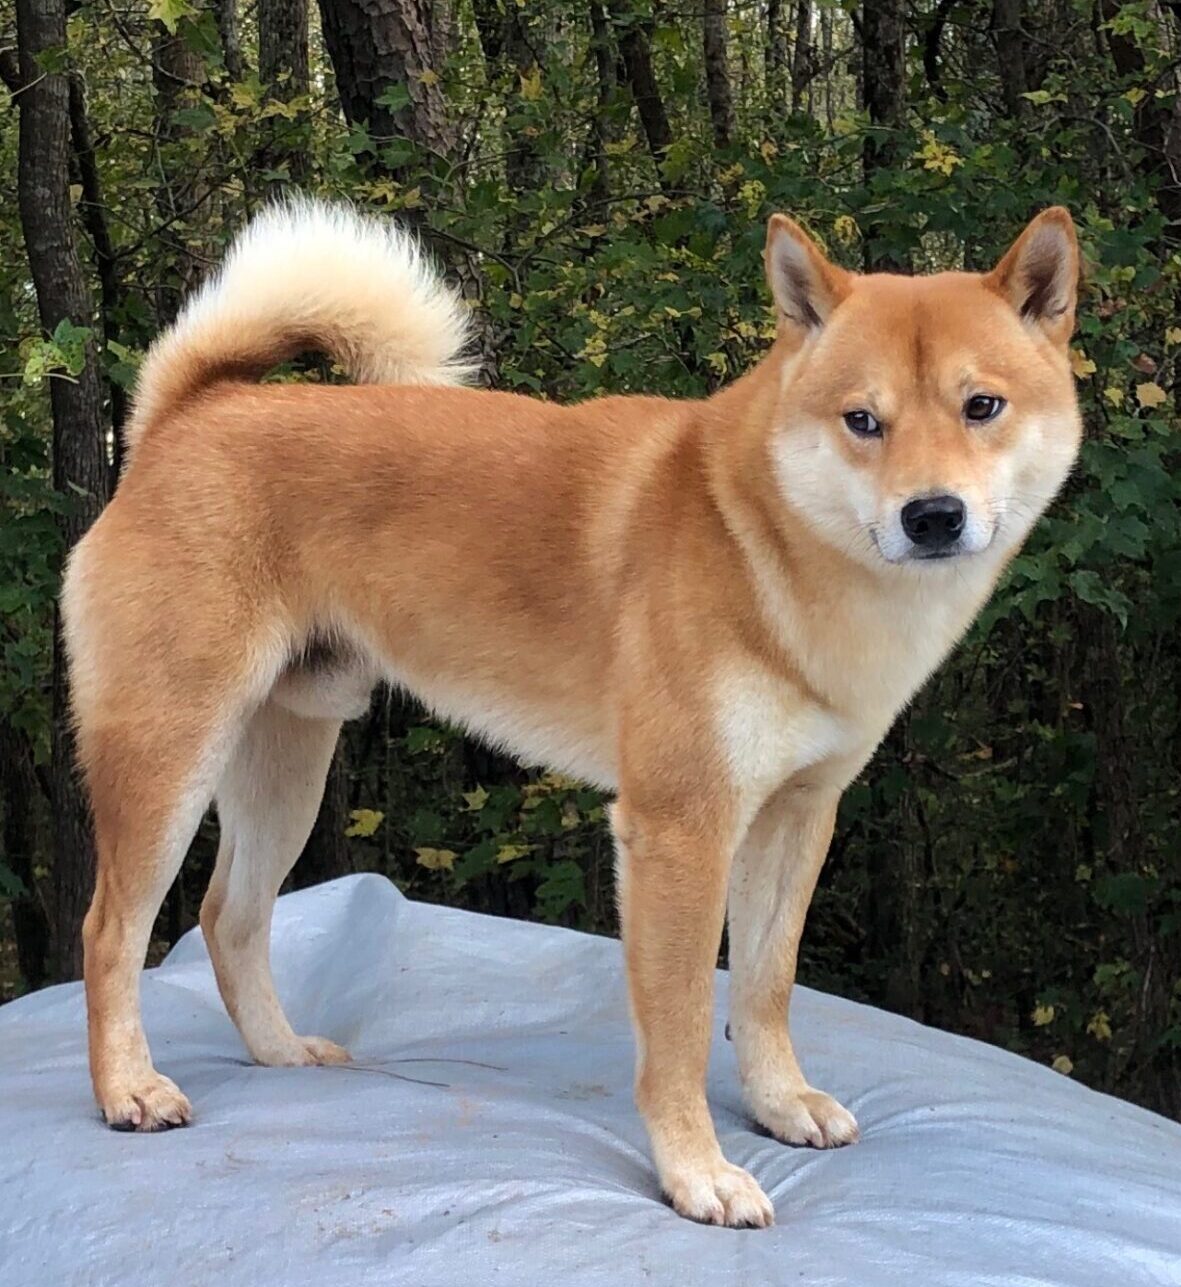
[
  {"x": 112, "y": 295},
  {"x": 717, "y": 72},
  {"x": 605, "y": 125},
  {"x": 80, "y": 466},
  {"x": 18, "y": 845},
  {"x": 635, "y": 48},
  {"x": 283, "y": 72},
  {"x": 227, "y": 30},
  {"x": 1010, "y": 43},
  {"x": 775, "y": 53},
  {"x": 801, "y": 60},
  {"x": 177, "y": 70},
  {"x": 883, "y": 80},
  {"x": 510, "y": 44}
]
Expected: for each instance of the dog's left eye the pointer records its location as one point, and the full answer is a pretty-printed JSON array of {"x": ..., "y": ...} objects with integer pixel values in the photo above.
[{"x": 983, "y": 406}]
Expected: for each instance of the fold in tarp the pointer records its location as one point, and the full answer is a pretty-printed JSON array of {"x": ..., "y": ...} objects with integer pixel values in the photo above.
[{"x": 487, "y": 1135}]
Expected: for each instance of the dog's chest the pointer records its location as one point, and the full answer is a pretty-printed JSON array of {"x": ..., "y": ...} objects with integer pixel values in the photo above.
[{"x": 770, "y": 732}]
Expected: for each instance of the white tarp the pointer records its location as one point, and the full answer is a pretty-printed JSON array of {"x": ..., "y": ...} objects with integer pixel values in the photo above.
[{"x": 528, "y": 1165}]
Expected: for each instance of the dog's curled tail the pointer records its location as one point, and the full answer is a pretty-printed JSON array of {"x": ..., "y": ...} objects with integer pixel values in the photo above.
[{"x": 302, "y": 276}]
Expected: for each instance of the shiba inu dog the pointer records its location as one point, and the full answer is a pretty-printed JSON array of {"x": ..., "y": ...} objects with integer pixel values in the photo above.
[{"x": 714, "y": 609}]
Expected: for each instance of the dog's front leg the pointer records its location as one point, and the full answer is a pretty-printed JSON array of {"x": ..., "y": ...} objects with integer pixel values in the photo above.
[
  {"x": 672, "y": 893},
  {"x": 771, "y": 885}
]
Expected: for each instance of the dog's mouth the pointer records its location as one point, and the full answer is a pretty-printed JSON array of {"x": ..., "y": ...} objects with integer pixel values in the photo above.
[{"x": 917, "y": 554}]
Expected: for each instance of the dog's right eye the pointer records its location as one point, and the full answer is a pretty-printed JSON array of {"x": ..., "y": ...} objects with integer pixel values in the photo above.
[{"x": 863, "y": 423}]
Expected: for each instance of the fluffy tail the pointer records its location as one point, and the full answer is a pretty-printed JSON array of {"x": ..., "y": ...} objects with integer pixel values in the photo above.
[{"x": 304, "y": 276}]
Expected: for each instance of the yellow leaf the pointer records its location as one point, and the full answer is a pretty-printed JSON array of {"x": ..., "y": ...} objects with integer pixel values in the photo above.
[
  {"x": 531, "y": 88},
  {"x": 243, "y": 94},
  {"x": 435, "y": 859},
  {"x": 514, "y": 300},
  {"x": 1042, "y": 1015},
  {"x": 1080, "y": 364},
  {"x": 844, "y": 228},
  {"x": 1100, "y": 1026},
  {"x": 1173, "y": 335},
  {"x": 510, "y": 853},
  {"x": 365, "y": 822},
  {"x": 559, "y": 782},
  {"x": 429, "y": 77},
  {"x": 1150, "y": 395},
  {"x": 476, "y": 799},
  {"x": 1114, "y": 395},
  {"x": 1063, "y": 1064},
  {"x": 593, "y": 230}
]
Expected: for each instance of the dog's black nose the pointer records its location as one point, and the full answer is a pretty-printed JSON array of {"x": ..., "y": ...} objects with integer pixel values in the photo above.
[{"x": 934, "y": 522}]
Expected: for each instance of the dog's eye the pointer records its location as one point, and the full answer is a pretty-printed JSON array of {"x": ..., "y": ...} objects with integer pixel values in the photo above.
[
  {"x": 982, "y": 407},
  {"x": 863, "y": 423}
]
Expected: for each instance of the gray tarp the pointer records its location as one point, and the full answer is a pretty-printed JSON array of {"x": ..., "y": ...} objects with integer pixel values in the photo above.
[{"x": 530, "y": 1166}]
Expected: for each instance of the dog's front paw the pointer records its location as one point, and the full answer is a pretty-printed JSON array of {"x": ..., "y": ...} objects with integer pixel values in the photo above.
[
  {"x": 153, "y": 1104},
  {"x": 720, "y": 1194},
  {"x": 810, "y": 1117}
]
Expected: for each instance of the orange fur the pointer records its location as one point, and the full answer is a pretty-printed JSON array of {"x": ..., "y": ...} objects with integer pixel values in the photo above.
[{"x": 709, "y": 607}]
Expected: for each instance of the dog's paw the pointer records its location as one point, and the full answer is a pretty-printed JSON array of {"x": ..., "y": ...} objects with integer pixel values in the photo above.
[
  {"x": 303, "y": 1052},
  {"x": 720, "y": 1194},
  {"x": 322, "y": 1051},
  {"x": 812, "y": 1118},
  {"x": 155, "y": 1104}
]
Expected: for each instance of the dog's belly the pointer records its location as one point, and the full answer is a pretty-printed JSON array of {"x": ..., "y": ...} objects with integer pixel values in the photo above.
[{"x": 563, "y": 734}]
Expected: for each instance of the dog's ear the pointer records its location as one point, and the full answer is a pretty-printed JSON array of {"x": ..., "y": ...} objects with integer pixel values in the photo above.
[
  {"x": 805, "y": 285},
  {"x": 1038, "y": 274}
]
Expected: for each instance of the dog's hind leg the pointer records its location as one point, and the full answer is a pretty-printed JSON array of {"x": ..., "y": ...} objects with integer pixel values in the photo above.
[
  {"x": 164, "y": 672},
  {"x": 151, "y": 772},
  {"x": 266, "y": 802}
]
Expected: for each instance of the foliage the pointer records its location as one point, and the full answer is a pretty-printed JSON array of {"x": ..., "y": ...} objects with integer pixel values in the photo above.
[{"x": 1007, "y": 865}]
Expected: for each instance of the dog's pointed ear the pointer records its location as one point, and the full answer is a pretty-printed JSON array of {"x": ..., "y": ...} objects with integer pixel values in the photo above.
[
  {"x": 1038, "y": 275},
  {"x": 806, "y": 286}
]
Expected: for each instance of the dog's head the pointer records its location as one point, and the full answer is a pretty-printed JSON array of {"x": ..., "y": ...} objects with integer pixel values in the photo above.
[{"x": 931, "y": 418}]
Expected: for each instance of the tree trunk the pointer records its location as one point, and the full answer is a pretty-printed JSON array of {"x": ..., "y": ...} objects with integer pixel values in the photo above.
[
  {"x": 79, "y": 450},
  {"x": 510, "y": 45},
  {"x": 775, "y": 53},
  {"x": 379, "y": 45},
  {"x": 112, "y": 294},
  {"x": 717, "y": 72},
  {"x": 283, "y": 72},
  {"x": 801, "y": 61},
  {"x": 1009, "y": 40},
  {"x": 606, "y": 129},
  {"x": 18, "y": 846},
  {"x": 635, "y": 48},
  {"x": 177, "y": 71},
  {"x": 1157, "y": 121},
  {"x": 883, "y": 80},
  {"x": 227, "y": 30}
]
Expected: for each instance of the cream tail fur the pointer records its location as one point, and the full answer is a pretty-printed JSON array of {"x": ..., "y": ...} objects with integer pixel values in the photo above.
[{"x": 308, "y": 275}]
